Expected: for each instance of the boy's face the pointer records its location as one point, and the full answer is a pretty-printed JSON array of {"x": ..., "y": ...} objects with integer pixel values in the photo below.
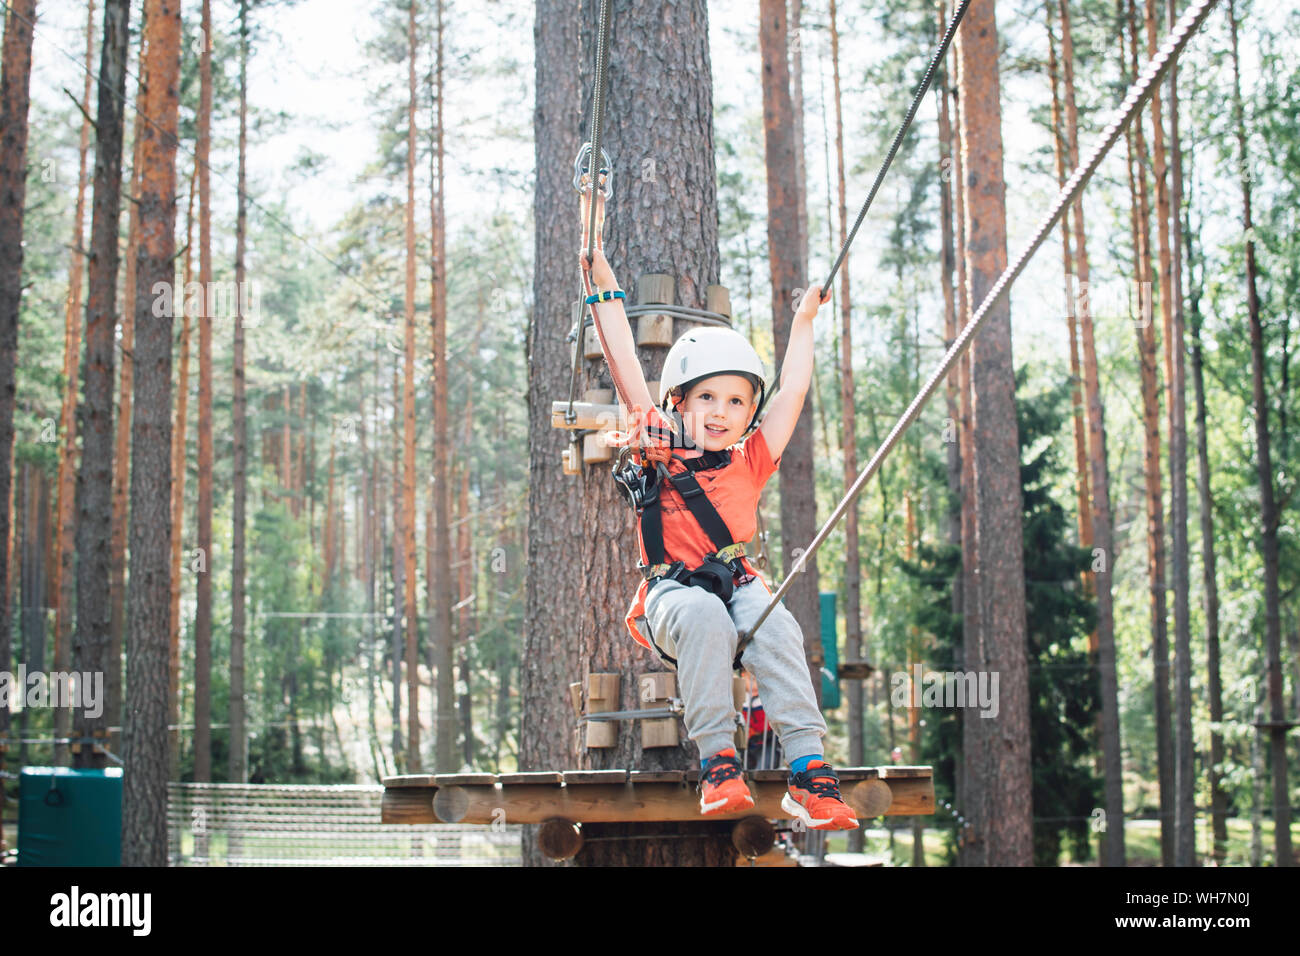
[{"x": 717, "y": 410}]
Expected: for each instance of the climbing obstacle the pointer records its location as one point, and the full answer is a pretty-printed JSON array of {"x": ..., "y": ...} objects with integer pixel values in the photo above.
[{"x": 561, "y": 799}]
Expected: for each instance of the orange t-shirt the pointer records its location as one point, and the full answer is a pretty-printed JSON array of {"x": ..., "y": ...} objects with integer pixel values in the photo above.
[{"x": 733, "y": 490}]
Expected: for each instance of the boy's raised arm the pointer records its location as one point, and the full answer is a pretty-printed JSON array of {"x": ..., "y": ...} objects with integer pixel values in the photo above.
[{"x": 617, "y": 340}]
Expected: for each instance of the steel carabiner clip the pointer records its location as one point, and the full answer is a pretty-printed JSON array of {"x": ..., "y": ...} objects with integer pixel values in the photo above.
[{"x": 581, "y": 171}]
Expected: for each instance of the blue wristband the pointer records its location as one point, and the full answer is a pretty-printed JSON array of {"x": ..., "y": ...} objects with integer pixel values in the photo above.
[{"x": 605, "y": 296}]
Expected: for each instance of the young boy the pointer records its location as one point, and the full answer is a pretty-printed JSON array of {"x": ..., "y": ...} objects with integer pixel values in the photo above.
[{"x": 699, "y": 593}]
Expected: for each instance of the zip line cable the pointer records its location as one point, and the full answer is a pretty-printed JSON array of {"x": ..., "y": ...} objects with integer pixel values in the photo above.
[{"x": 1138, "y": 94}]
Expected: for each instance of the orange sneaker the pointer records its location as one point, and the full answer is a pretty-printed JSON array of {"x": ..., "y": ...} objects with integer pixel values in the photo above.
[
  {"x": 722, "y": 787},
  {"x": 814, "y": 797}
]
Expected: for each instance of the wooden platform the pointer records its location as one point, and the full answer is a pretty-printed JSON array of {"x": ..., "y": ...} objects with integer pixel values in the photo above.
[{"x": 621, "y": 796}]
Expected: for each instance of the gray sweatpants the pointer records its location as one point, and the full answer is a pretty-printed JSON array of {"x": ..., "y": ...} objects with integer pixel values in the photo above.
[{"x": 695, "y": 627}]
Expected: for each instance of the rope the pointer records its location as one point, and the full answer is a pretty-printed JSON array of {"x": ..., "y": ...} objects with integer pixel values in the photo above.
[
  {"x": 598, "y": 118},
  {"x": 902, "y": 131},
  {"x": 1137, "y": 95}
]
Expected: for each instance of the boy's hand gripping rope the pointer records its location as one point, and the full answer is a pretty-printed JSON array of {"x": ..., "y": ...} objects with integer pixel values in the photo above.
[{"x": 1138, "y": 94}]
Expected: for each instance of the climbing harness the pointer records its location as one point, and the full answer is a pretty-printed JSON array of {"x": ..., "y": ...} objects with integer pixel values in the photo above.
[
  {"x": 642, "y": 484},
  {"x": 1138, "y": 94}
]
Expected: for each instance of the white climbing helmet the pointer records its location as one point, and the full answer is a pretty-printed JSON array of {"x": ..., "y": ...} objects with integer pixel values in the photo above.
[{"x": 703, "y": 352}]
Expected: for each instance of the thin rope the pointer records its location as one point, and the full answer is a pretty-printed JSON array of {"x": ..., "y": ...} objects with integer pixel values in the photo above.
[
  {"x": 597, "y": 120},
  {"x": 1137, "y": 95}
]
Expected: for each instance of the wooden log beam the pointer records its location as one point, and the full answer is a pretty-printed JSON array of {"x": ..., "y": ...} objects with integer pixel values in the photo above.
[
  {"x": 588, "y": 415},
  {"x": 618, "y": 797}
]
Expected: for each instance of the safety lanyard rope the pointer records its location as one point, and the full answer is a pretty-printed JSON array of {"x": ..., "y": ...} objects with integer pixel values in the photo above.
[
  {"x": 597, "y": 175},
  {"x": 1138, "y": 94}
]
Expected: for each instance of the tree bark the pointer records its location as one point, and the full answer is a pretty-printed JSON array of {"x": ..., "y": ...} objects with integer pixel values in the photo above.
[
  {"x": 441, "y": 556},
  {"x": 408, "y": 424},
  {"x": 788, "y": 269},
  {"x": 1151, "y": 471},
  {"x": 853, "y": 649},
  {"x": 1209, "y": 575},
  {"x": 550, "y": 657},
  {"x": 238, "y": 772},
  {"x": 15, "y": 83},
  {"x": 65, "y": 488},
  {"x": 178, "y": 502},
  {"x": 122, "y": 451},
  {"x": 1004, "y": 816},
  {"x": 203, "y": 580},
  {"x": 144, "y": 798},
  {"x": 1268, "y": 515},
  {"x": 91, "y": 650},
  {"x": 1176, "y": 374},
  {"x": 1103, "y": 551},
  {"x": 648, "y": 106}
]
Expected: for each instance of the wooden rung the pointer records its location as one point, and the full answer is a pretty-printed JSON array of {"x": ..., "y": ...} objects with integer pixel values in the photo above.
[
  {"x": 655, "y": 288},
  {"x": 654, "y": 330},
  {"x": 602, "y": 696},
  {"x": 717, "y": 299},
  {"x": 595, "y": 448},
  {"x": 570, "y": 461},
  {"x": 575, "y": 698},
  {"x": 602, "y": 416},
  {"x": 653, "y": 691}
]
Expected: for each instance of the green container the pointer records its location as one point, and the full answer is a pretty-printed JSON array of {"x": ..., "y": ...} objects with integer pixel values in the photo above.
[
  {"x": 831, "y": 653},
  {"x": 69, "y": 817}
]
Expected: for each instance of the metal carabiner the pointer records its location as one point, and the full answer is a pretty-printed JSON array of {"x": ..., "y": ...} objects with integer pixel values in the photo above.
[{"x": 580, "y": 170}]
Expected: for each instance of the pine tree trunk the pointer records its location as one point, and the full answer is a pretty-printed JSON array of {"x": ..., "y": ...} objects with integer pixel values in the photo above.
[
  {"x": 238, "y": 772},
  {"x": 648, "y": 105},
  {"x": 203, "y": 580},
  {"x": 796, "y": 102},
  {"x": 853, "y": 649},
  {"x": 144, "y": 798},
  {"x": 408, "y": 424},
  {"x": 1151, "y": 471},
  {"x": 1103, "y": 551},
  {"x": 1003, "y": 811},
  {"x": 65, "y": 488},
  {"x": 973, "y": 731},
  {"x": 1210, "y": 583},
  {"x": 442, "y": 638},
  {"x": 91, "y": 650},
  {"x": 1267, "y": 508},
  {"x": 788, "y": 268},
  {"x": 550, "y": 657},
  {"x": 15, "y": 82},
  {"x": 1175, "y": 352},
  {"x": 178, "y": 501},
  {"x": 121, "y": 457}
]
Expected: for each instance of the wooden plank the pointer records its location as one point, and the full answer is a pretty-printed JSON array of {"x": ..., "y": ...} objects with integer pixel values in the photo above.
[
  {"x": 540, "y": 776},
  {"x": 410, "y": 780},
  {"x": 465, "y": 779},
  {"x": 584, "y": 777},
  {"x": 898, "y": 773},
  {"x": 656, "y": 776}
]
